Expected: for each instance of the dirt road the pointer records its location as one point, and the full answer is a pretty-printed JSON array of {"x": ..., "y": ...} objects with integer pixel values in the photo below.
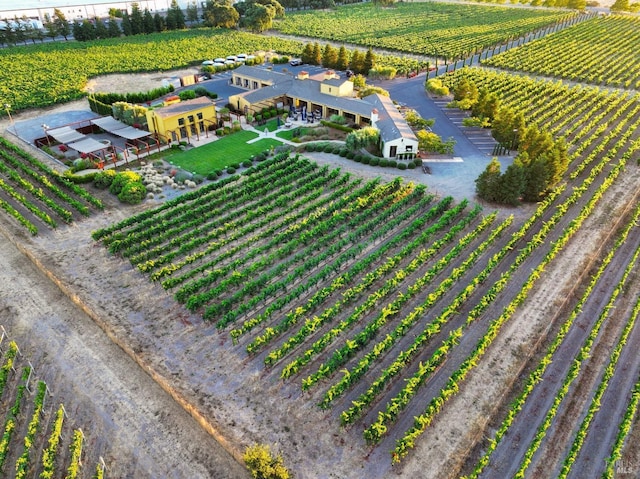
[{"x": 129, "y": 420}]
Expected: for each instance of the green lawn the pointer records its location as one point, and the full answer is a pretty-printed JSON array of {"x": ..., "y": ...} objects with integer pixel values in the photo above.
[{"x": 220, "y": 153}]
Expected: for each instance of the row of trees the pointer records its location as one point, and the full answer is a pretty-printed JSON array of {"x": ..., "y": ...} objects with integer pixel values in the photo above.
[
  {"x": 540, "y": 164},
  {"x": 255, "y": 15},
  {"x": 338, "y": 58},
  {"x": 541, "y": 160}
]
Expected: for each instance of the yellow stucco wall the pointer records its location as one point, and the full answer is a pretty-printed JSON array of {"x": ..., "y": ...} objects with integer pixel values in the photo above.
[
  {"x": 345, "y": 89},
  {"x": 169, "y": 127}
]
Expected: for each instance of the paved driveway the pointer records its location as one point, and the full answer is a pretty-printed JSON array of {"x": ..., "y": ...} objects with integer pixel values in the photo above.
[{"x": 448, "y": 177}]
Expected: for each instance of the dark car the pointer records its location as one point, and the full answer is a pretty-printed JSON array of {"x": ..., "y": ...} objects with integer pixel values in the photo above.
[
  {"x": 349, "y": 73},
  {"x": 295, "y": 62}
]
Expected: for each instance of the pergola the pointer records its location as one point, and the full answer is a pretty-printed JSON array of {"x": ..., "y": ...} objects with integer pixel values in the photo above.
[
  {"x": 87, "y": 145},
  {"x": 65, "y": 134},
  {"x": 118, "y": 128}
]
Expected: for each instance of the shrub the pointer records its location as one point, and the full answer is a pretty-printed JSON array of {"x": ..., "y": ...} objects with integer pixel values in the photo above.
[
  {"x": 247, "y": 163},
  {"x": 213, "y": 175},
  {"x": 411, "y": 166},
  {"x": 231, "y": 170},
  {"x": 198, "y": 179},
  {"x": 436, "y": 87},
  {"x": 391, "y": 163},
  {"x": 402, "y": 166},
  {"x": 121, "y": 179},
  {"x": 365, "y": 159},
  {"x": 343, "y": 152},
  {"x": 338, "y": 119},
  {"x": 357, "y": 158},
  {"x": 266, "y": 115},
  {"x": 187, "y": 95},
  {"x": 104, "y": 179},
  {"x": 181, "y": 176},
  {"x": 260, "y": 157},
  {"x": 351, "y": 155},
  {"x": 384, "y": 162},
  {"x": 263, "y": 465},
  {"x": 201, "y": 91},
  {"x": 374, "y": 161},
  {"x": 328, "y": 148},
  {"x": 235, "y": 165},
  {"x": 133, "y": 192}
]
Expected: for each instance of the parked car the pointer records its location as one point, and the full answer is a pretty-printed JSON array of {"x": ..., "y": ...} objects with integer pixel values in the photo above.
[
  {"x": 348, "y": 73},
  {"x": 294, "y": 62}
]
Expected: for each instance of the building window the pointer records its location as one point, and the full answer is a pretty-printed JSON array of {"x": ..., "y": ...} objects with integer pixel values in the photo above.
[
  {"x": 409, "y": 148},
  {"x": 190, "y": 118},
  {"x": 181, "y": 121},
  {"x": 199, "y": 116},
  {"x": 255, "y": 85}
]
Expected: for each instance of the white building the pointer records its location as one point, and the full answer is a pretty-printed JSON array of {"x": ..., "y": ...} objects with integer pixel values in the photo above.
[{"x": 81, "y": 9}]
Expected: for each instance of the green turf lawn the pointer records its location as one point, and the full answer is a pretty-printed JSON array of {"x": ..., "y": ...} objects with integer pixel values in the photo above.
[{"x": 220, "y": 153}]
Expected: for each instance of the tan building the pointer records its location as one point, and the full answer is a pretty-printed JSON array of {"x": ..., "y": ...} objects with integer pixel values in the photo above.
[
  {"x": 325, "y": 94},
  {"x": 183, "y": 120}
]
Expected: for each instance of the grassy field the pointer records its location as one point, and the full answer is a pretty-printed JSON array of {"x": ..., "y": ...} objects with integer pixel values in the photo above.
[
  {"x": 427, "y": 28},
  {"x": 221, "y": 153}
]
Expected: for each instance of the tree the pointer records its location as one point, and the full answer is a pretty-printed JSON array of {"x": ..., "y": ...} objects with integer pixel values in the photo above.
[
  {"x": 307, "y": 53},
  {"x": 159, "y": 24},
  {"x": 84, "y": 31},
  {"x": 175, "y": 17},
  {"x": 369, "y": 61},
  {"x": 329, "y": 56},
  {"x": 114, "y": 29},
  {"x": 263, "y": 465},
  {"x": 192, "y": 12},
  {"x": 101, "y": 29},
  {"x": 488, "y": 181},
  {"x": 620, "y": 6},
  {"x": 220, "y": 14},
  {"x": 137, "y": 22},
  {"x": 487, "y": 105},
  {"x": 465, "y": 90},
  {"x": 362, "y": 138},
  {"x": 62, "y": 25},
  {"x": 126, "y": 24},
  {"x": 50, "y": 26},
  {"x": 258, "y": 17},
  {"x": 507, "y": 127},
  {"x": 511, "y": 184},
  {"x": 342, "y": 62},
  {"x": 431, "y": 142},
  {"x": 357, "y": 62},
  {"x": 316, "y": 57},
  {"x": 148, "y": 24}
]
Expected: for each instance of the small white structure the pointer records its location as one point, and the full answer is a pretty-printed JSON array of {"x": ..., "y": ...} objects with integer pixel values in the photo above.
[{"x": 397, "y": 139}]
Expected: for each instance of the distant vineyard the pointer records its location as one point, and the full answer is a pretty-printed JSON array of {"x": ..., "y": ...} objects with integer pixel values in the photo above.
[
  {"x": 35, "y": 195},
  {"x": 423, "y": 28},
  {"x": 601, "y": 51},
  {"x": 37, "y": 439},
  {"x": 39, "y": 75}
]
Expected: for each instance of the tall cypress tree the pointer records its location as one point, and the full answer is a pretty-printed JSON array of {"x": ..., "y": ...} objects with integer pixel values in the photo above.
[
  {"x": 317, "y": 54},
  {"x": 343, "y": 59}
]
